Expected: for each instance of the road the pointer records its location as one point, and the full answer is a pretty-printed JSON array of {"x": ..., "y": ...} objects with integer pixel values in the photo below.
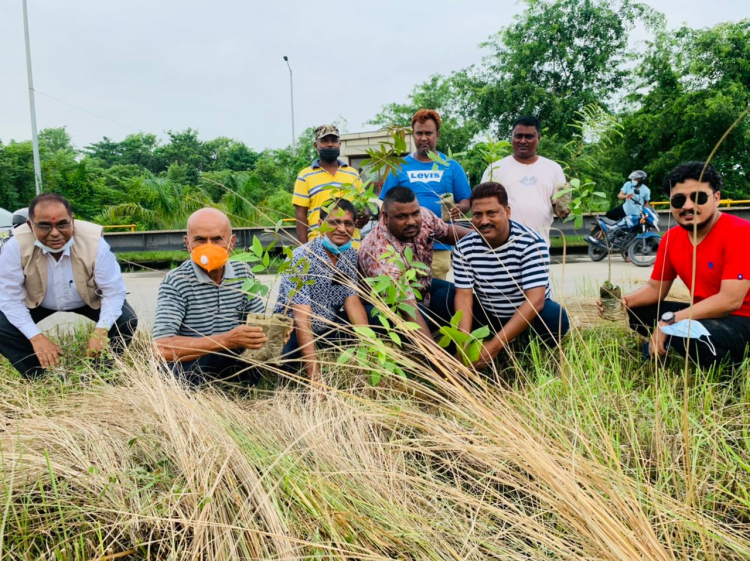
[{"x": 578, "y": 278}]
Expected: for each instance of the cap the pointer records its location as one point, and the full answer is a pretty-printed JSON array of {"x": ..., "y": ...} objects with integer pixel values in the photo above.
[{"x": 326, "y": 130}]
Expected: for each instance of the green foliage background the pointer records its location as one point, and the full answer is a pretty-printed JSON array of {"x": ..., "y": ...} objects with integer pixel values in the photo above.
[{"x": 673, "y": 97}]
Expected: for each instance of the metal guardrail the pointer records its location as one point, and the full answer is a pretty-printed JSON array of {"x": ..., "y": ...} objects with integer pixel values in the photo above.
[
  {"x": 131, "y": 227},
  {"x": 173, "y": 240}
]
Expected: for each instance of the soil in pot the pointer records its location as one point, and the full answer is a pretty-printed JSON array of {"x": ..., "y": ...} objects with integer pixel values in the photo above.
[
  {"x": 611, "y": 297},
  {"x": 447, "y": 202},
  {"x": 275, "y": 327}
]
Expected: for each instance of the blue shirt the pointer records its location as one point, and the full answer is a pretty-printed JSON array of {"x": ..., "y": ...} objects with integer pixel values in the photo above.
[
  {"x": 429, "y": 180},
  {"x": 630, "y": 206},
  {"x": 324, "y": 287}
]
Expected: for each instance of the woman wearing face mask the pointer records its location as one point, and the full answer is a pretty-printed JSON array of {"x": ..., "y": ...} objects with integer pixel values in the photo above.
[{"x": 320, "y": 288}]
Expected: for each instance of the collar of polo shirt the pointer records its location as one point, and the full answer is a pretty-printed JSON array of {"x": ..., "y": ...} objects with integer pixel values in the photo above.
[{"x": 203, "y": 276}]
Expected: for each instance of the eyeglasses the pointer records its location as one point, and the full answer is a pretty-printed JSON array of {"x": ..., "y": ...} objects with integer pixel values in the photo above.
[
  {"x": 336, "y": 223},
  {"x": 46, "y": 228},
  {"x": 699, "y": 198}
]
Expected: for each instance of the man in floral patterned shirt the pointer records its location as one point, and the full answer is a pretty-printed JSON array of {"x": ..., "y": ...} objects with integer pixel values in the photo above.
[{"x": 407, "y": 233}]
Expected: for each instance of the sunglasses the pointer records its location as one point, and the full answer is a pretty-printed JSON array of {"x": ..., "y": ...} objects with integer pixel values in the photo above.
[{"x": 699, "y": 198}]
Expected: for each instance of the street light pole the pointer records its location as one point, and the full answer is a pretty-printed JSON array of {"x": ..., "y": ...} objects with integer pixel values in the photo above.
[
  {"x": 291, "y": 88},
  {"x": 32, "y": 104}
]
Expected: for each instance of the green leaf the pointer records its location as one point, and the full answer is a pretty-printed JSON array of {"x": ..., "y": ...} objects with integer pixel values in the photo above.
[
  {"x": 345, "y": 357},
  {"x": 407, "y": 309},
  {"x": 384, "y": 321},
  {"x": 394, "y": 337},
  {"x": 365, "y": 331},
  {"x": 375, "y": 376},
  {"x": 266, "y": 259},
  {"x": 244, "y": 258},
  {"x": 410, "y": 326},
  {"x": 257, "y": 247},
  {"x": 456, "y": 319},
  {"x": 474, "y": 351},
  {"x": 481, "y": 333},
  {"x": 258, "y": 268}
]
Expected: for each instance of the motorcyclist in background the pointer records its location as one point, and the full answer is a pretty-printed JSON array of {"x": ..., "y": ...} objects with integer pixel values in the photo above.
[
  {"x": 637, "y": 197},
  {"x": 634, "y": 193}
]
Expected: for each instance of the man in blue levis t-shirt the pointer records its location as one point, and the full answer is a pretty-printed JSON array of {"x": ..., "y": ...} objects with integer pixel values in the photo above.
[{"x": 430, "y": 181}]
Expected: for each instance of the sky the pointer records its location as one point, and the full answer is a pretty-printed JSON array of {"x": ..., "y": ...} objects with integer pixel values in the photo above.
[{"x": 116, "y": 67}]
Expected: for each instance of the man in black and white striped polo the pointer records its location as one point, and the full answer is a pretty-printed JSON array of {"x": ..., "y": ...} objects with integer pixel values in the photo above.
[
  {"x": 201, "y": 307},
  {"x": 502, "y": 276}
]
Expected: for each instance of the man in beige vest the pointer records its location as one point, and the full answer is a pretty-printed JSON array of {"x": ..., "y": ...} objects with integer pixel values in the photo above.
[{"x": 52, "y": 264}]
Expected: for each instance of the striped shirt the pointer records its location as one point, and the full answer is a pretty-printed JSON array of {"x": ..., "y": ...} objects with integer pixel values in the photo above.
[
  {"x": 500, "y": 276},
  {"x": 190, "y": 304}
]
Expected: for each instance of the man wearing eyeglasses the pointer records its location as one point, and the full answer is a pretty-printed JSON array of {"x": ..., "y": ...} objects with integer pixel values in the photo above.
[
  {"x": 721, "y": 272},
  {"x": 52, "y": 264}
]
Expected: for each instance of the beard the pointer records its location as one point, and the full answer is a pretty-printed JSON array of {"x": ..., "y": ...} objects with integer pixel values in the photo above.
[{"x": 699, "y": 226}]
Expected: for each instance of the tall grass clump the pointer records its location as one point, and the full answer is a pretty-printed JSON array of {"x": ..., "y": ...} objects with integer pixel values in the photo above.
[{"x": 575, "y": 455}]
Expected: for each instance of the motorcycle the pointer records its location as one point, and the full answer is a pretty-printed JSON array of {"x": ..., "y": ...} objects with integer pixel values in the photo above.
[{"x": 639, "y": 243}]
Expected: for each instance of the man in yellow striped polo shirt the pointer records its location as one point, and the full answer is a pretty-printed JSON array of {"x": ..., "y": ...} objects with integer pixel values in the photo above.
[{"x": 320, "y": 182}]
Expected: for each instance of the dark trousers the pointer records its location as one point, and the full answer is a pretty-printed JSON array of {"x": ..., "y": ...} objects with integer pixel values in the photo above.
[
  {"x": 226, "y": 367},
  {"x": 551, "y": 323},
  {"x": 18, "y": 349},
  {"x": 730, "y": 335},
  {"x": 439, "y": 311},
  {"x": 292, "y": 356}
]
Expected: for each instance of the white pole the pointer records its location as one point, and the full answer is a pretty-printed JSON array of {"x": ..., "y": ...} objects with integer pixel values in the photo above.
[
  {"x": 32, "y": 105},
  {"x": 291, "y": 88}
]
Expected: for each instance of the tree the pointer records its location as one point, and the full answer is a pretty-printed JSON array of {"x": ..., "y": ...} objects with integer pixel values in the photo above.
[
  {"x": 555, "y": 58},
  {"x": 184, "y": 148},
  {"x": 447, "y": 97},
  {"x": 16, "y": 175},
  {"x": 690, "y": 87}
]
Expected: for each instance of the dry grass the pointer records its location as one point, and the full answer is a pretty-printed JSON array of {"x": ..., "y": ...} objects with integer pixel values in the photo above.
[{"x": 574, "y": 462}]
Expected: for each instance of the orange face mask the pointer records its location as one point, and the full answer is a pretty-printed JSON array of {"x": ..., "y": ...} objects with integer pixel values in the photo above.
[{"x": 209, "y": 256}]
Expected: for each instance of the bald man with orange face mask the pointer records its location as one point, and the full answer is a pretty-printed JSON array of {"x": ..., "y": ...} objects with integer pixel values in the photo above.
[{"x": 201, "y": 308}]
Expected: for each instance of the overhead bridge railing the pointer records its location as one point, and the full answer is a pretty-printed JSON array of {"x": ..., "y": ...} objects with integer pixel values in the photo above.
[{"x": 728, "y": 202}]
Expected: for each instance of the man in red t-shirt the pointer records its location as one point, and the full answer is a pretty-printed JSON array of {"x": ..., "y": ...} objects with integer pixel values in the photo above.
[{"x": 722, "y": 273}]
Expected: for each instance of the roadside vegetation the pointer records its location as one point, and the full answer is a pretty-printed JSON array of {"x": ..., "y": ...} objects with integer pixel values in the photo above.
[
  {"x": 672, "y": 97},
  {"x": 578, "y": 454}
]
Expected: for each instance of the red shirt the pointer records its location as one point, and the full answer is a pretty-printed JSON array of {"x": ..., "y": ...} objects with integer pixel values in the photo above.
[{"x": 724, "y": 254}]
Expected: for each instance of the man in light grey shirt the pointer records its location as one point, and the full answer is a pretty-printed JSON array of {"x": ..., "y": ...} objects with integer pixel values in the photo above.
[{"x": 55, "y": 263}]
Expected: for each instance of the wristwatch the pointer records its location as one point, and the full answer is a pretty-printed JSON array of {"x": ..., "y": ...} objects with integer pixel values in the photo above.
[{"x": 668, "y": 317}]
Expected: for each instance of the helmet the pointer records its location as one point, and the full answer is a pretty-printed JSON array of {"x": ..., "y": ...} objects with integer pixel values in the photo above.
[
  {"x": 638, "y": 175},
  {"x": 19, "y": 217}
]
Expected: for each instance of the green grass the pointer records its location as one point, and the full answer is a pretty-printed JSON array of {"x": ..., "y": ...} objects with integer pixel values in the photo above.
[
  {"x": 587, "y": 454},
  {"x": 149, "y": 256},
  {"x": 571, "y": 241}
]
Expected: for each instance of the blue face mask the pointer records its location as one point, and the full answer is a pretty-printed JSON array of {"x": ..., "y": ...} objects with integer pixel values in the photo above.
[
  {"x": 689, "y": 328},
  {"x": 336, "y": 249}
]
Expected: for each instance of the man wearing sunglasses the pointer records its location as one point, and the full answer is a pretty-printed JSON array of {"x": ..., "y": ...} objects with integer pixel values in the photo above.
[
  {"x": 722, "y": 275},
  {"x": 52, "y": 264}
]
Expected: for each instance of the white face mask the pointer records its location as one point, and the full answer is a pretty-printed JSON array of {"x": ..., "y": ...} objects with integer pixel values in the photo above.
[
  {"x": 689, "y": 328},
  {"x": 48, "y": 249}
]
